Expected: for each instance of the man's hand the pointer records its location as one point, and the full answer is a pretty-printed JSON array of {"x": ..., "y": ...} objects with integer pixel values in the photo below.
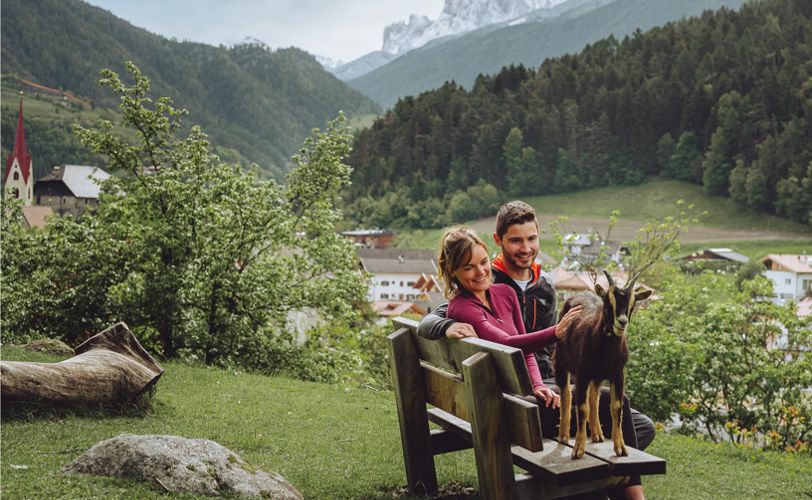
[
  {"x": 551, "y": 399},
  {"x": 460, "y": 331},
  {"x": 563, "y": 325}
]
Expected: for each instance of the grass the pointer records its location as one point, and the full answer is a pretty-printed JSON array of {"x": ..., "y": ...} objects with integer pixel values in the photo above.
[
  {"x": 329, "y": 441},
  {"x": 725, "y": 225}
]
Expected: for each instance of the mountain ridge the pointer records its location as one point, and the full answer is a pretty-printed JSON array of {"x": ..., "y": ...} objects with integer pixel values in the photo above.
[{"x": 259, "y": 102}]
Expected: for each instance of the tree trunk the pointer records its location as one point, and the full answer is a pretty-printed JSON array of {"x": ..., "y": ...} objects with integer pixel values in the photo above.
[{"x": 110, "y": 366}]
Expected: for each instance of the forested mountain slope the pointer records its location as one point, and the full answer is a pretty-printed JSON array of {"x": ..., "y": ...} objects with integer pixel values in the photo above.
[
  {"x": 489, "y": 49},
  {"x": 723, "y": 100},
  {"x": 258, "y": 102}
]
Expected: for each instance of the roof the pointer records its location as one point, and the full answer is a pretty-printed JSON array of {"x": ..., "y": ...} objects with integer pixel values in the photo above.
[
  {"x": 394, "y": 253},
  {"x": 545, "y": 259},
  {"x": 718, "y": 253},
  {"x": 388, "y": 308},
  {"x": 35, "y": 215},
  {"x": 398, "y": 266},
  {"x": 79, "y": 179},
  {"x": 20, "y": 150},
  {"x": 789, "y": 262}
]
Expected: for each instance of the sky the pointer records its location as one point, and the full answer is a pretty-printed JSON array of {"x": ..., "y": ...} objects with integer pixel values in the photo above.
[{"x": 339, "y": 29}]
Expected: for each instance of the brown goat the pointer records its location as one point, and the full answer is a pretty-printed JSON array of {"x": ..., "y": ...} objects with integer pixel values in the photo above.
[{"x": 594, "y": 349}]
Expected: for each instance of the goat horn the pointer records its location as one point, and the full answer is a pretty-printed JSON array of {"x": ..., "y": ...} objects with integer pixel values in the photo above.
[
  {"x": 608, "y": 278},
  {"x": 630, "y": 286}
]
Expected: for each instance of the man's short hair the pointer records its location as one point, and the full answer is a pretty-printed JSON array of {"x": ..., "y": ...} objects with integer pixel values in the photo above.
[{"x": 514, "y": 212}]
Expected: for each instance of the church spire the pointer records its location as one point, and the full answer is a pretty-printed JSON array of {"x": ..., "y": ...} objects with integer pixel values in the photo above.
[{"x": 18, "y": 175}]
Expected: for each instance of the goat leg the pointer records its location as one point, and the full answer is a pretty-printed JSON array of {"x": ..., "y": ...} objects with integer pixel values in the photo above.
[
  {"x": 565, "y": 409},
  {"x": 616, "y": 405},
  {"x": 581, "y": 386},
  {"x": 595, "y": 429}
]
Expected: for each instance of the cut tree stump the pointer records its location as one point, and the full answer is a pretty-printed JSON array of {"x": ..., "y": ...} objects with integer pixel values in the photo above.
[{"x": 109, "y": 367}]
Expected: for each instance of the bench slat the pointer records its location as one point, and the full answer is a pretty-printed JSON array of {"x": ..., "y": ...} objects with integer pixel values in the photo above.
[
  {"x": 449, "y": 354},
  {"x": 531, "y": 487},
  {"x": 637, "y": 462},
  {"x": 553, "y": 463},
  {"x": 443, "y": 441},
  {"x": 446, "y": 391}
]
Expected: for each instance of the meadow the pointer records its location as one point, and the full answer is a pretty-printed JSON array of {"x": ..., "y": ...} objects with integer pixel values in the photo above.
[
  {"x": 330, "y": 441},
  {"x": 722, "y": 223}
]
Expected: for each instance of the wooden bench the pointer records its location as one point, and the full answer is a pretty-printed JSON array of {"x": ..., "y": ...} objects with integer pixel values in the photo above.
[{"x": 471, "y": 387}]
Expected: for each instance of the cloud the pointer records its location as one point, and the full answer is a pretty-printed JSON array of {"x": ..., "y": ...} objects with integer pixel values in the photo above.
[{"x": 338, "y": 29}]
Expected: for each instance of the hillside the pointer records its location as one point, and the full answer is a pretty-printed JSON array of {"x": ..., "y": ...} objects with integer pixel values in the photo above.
[
  {"x": 261, "y": 103},
  {"x": 488, "y": 49},
  {"x": 330, "y": 441},
  {"x": 717, "y": 100}
]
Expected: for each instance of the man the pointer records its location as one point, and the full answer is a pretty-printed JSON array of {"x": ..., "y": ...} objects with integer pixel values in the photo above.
[{"x": 517, "y": 235}]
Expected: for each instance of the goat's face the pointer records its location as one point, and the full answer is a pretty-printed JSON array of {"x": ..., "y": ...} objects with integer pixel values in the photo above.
[{"x": 620, "y": 302}]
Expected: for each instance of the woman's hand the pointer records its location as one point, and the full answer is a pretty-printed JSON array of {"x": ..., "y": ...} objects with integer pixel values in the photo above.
[
  {"x": 460, "y": 331},
  {"x": 563, "y": 325},
  {"x": 551, "y": 399}
]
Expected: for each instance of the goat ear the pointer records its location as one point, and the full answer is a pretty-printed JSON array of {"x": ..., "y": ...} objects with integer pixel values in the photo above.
[
  {"x": 642, "y": 295},
  {"x": 599, "y": 290}
]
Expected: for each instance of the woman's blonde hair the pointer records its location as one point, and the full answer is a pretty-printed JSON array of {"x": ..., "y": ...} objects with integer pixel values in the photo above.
[{"x": 455, "y": 251}]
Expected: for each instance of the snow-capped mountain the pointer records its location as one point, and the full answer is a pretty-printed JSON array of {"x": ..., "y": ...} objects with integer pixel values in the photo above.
[
  {"x": 458, "y": 16},
  {"x": 329, "y": 63}
]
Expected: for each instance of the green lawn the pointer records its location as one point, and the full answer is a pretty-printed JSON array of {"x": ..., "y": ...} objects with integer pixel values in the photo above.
[
  {"x": 329, "y": 441},
  {"x": 725, "y": 225}
]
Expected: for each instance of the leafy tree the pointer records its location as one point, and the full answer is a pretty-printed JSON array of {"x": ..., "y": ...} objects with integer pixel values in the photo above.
[
  {"x": 197, "y": 255},
  {"x": 685, "y": 157}
]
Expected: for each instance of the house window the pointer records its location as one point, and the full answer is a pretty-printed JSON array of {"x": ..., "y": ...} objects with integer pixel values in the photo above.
[
  {"x": 16, "y": 176},
  {"x": 384, "y": 295},
  {"x": 384, "y": 283},
  {"x": 411, "y": 284},
  {"x": 16, "y": 192},
  {"x": 788, "y": 281},
  {"x": 401, "y": 283}
]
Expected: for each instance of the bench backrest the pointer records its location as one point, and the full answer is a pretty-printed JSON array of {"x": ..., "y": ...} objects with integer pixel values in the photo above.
[{"x": 441, "y": 367}]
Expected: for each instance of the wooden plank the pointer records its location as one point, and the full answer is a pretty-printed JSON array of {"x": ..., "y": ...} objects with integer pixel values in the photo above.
[
  {"x": 443, "y": 441},
  {"x": 524, "y": 422},
  {"x": 445, "y": 390},
  {"x": 637, "y": 462},
  {"x": 421, "y": 476},
  {"x": 449, "y": 354},
  {"x": 528, "y": 486},
  {"x": 554, "y": 463},
  {"x": 488, "y": 430}
]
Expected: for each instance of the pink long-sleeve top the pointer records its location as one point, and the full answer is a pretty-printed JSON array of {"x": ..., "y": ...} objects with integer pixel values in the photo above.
[{"x": 502, "y": 323}]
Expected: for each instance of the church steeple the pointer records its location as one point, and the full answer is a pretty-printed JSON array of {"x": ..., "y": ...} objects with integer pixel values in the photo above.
[{"x": 18, "y": 179}]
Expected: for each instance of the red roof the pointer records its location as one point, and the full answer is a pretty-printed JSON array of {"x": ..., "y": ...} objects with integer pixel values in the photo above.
[{"x": 20, "y": 150}]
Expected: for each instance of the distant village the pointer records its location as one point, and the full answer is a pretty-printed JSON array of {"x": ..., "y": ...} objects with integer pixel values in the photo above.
[{"x": 402, "y": 281}]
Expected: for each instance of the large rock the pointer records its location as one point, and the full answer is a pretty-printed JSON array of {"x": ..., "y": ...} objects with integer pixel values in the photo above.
[{"x": 181, "y": 465}]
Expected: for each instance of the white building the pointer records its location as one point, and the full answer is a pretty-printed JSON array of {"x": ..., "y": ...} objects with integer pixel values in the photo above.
[
  {"x": 791, "y": 275},
  {"x": 395, "y": 272}
]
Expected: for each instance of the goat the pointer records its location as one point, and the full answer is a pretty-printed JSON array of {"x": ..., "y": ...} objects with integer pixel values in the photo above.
[{"x": 594, "y": 349}]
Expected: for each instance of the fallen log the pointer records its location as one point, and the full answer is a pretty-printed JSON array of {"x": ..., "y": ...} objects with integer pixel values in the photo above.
[{"x": 109, "y": 367}]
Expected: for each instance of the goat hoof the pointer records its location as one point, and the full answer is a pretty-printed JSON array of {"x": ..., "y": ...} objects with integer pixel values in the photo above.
[
  {"x": 621, "y": 451},
  {"x": 597, "y": 438},
  {"x": 577, "y": 453}
]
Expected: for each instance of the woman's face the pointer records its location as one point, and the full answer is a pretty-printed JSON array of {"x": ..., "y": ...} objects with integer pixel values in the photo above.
[{"x": 475, "y": 275}]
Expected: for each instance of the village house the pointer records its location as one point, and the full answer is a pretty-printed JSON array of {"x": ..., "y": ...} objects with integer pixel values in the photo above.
[
  {"x": 370, "y": 238},
  {"x": 395, "y": 272},
  {"x": 791, "y": 275},
  {"x": 71, "y": 189},
  {"x": 582, "y": 249}
]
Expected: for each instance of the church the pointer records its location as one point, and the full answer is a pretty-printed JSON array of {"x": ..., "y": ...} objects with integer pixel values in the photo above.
[{"x": 68, "y": 189}]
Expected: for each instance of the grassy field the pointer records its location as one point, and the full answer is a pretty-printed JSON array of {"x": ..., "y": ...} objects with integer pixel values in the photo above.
[
  {"x": 725, "y": 225},
  {"x": 329, "y": 441}
]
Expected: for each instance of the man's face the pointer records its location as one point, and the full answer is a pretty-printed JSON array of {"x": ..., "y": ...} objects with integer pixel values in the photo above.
[{"x": 519, "y": 244}]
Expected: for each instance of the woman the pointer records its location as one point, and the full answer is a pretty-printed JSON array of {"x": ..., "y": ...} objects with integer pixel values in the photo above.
[{"x": 492, "y": 309}]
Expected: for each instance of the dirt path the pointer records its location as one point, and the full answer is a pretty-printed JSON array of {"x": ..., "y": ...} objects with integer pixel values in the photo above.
[{"x": 626, "y": 229}]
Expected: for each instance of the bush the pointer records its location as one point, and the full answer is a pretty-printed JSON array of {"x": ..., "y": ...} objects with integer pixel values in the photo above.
[{"x": 734, "y": 365}]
